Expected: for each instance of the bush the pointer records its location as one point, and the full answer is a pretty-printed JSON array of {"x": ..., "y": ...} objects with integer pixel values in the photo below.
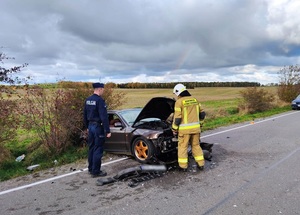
[
  {"x": 256, "y": 100},
  {"x": 288, "y": 93},
  {"x": 289, "y": 86},
  {"x": 8, "y": 124},
  {"x": 57, "y": 115}
]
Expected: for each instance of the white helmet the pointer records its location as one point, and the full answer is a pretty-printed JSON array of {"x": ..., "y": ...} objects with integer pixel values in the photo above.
[{"x": 179, "y": 88}]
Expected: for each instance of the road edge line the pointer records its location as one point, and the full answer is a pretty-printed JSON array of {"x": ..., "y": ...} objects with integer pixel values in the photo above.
[{"x": 55, "y": 178}]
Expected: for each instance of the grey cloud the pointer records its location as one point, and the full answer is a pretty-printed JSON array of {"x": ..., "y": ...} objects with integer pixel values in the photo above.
[{"x": 150, "y": 38}]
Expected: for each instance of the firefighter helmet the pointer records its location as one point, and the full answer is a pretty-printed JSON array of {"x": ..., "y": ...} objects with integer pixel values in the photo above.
[{"x": 179, "y": 88}]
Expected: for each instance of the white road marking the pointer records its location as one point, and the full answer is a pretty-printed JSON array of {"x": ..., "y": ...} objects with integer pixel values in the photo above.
[{"x": 55, "y": 178}]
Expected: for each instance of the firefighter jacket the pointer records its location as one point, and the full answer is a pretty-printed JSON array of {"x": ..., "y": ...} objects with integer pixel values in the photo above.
[{"x": 187, "y": 115}]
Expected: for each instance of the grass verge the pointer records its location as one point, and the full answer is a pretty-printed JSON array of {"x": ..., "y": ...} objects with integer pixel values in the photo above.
[
  {"x": 11, "y": 168},
  {"x": 237, "y": 118}
]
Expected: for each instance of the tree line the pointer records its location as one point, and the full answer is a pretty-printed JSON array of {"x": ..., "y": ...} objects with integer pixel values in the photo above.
[
  {"x": 189, "y": 85},
  {"x": 138, "y": 85}
]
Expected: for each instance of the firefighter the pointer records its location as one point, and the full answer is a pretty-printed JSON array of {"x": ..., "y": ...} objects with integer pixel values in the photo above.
[
  {"x": 188, "y": 116},
  {"x": 96, "y": 120}
]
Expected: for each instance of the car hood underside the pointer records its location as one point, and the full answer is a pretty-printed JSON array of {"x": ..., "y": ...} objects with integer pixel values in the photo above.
[{"x": 158, "y": 107}]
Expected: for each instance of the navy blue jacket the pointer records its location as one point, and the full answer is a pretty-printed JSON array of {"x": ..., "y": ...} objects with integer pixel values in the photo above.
[{"x": 95, "y": 111}]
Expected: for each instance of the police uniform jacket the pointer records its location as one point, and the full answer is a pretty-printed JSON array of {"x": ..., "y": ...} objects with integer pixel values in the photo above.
[{"x": 95, "y": 112}]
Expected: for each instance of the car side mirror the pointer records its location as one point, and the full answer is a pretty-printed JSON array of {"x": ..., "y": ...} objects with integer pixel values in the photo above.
[{"x": 118, "y": 124}]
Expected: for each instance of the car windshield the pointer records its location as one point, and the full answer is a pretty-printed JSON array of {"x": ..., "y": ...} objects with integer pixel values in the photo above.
[
  {"x": 130, "y": 115},
  {"x": 298, "y": 97}
]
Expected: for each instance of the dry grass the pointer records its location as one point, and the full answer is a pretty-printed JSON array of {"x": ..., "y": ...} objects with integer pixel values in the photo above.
[
  {"x": 216, "y": 101},
  {"x": 139, "y": 97},
  {"x": 208, "y": 96}
]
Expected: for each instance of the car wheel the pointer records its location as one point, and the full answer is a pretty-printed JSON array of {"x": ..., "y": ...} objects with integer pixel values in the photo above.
[{"x": 143, "y": 150}]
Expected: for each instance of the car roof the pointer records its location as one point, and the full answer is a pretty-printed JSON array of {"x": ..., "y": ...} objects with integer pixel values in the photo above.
[{"x": 118, "y": 111}]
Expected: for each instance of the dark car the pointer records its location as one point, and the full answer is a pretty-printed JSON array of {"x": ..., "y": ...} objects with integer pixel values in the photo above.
[
  {"x": 144, "y": 133},
  {"x": 296, "y": 103}
]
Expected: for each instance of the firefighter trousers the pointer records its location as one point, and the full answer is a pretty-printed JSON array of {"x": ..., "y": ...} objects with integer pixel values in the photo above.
[{"x": 183, "y": 143}]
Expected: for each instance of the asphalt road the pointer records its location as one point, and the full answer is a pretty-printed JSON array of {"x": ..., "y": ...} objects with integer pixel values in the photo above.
[{"x": 255, "y": 170}]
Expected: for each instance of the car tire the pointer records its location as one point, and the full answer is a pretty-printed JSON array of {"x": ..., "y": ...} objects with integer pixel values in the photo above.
[{"x": 142, "y": 150}]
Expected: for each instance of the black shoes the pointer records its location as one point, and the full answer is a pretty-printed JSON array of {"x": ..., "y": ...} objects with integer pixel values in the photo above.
[
  {"x": 193, "y": 169},
  {"x": 100, "y": 174},
  {"x": 183, "y": 169},
  {"x": 201, "y": 168}
]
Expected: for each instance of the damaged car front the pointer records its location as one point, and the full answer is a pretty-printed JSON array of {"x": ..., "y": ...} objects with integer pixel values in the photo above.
[{"x": 144, "y": 133}]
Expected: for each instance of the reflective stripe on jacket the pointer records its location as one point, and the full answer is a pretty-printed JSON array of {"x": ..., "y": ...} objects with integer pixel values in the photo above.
[{"x": 186, "y": 112}]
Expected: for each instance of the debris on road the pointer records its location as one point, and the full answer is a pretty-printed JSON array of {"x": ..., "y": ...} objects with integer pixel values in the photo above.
[
  {"x": 32, "y": 167},
  {"x": 135, "y": 174}
]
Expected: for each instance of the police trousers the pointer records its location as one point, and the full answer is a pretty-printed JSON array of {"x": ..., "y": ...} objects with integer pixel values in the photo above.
[
  {"x": 96, "y": 140},
  {"x": 183, "y": 142}
]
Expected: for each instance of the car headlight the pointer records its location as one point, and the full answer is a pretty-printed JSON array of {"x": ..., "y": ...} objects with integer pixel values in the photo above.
[{"x": 293, "y": 102}]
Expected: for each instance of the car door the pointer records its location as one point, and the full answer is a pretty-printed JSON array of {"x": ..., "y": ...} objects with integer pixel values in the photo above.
[{"x": 118, "y": 141}]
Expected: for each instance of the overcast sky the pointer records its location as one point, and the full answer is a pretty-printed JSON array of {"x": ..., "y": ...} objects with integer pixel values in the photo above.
[{"x": 151, "y": 40}]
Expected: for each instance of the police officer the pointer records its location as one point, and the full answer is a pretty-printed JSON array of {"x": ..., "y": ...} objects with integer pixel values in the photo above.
[
  {"x": 96, "y": 120},
  {"x": 186, "y": 122}
]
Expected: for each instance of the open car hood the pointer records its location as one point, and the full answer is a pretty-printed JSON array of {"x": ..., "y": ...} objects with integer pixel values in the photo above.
[{"x": 158, "y": 107}]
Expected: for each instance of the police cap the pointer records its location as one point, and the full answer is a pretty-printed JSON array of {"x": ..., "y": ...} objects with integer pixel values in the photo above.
[{"x": 98, "y": 85}]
